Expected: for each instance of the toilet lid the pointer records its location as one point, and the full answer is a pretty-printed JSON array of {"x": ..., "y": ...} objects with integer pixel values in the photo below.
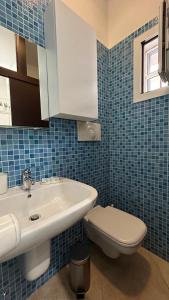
[{"x": 123, "y": 228}]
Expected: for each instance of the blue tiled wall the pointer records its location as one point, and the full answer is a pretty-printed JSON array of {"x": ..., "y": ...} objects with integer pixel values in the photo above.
[
  {"x": 53, "y": 151},
  {"x": 129, "y": 167},
  {"x": 139, "y": 149}
]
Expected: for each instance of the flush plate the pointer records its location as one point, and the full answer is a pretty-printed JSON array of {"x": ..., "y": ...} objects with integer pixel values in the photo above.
[{"x": 88, "y": 131}]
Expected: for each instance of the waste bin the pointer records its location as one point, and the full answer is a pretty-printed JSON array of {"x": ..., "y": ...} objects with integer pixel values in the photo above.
[{"x": 80, "y": 269}]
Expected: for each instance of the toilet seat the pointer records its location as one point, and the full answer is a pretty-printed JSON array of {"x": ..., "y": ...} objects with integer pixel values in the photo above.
[{"x": 119, "y": 226}]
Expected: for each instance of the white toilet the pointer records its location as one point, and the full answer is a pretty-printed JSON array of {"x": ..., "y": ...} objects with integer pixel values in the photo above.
[{"x": 114, "y": 231}]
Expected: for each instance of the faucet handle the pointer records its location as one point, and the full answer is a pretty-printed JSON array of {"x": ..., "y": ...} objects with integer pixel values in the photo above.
[{"x": 27, "y": 173}]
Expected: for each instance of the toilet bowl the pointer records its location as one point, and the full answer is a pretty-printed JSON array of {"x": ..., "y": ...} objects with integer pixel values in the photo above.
[{"x": 114, "y": 231}]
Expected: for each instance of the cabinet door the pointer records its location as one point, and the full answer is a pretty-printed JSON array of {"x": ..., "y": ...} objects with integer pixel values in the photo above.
[
  {"x": 72, "y": 64},
  {"x": 25, "y": 104}
]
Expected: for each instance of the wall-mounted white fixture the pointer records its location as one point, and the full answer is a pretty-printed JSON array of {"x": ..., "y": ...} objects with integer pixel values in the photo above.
[
  {"x": 48, "y": 211},
  {"x": 88, "y": 131},
  {"x": 10, "y": 234},
  {"x": 72, "y": 64}
]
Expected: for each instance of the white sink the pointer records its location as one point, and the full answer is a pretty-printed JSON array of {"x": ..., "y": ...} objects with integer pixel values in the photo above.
[{"x": 58, "y": 205}]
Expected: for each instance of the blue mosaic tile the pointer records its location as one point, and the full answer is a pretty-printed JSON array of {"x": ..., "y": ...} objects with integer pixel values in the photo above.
[
  {"x": 139, "y": 147},
  {"x": 53, "y": 151},
  {"x": 24, "y": 20},
  {"x": 129, "y": 167}
]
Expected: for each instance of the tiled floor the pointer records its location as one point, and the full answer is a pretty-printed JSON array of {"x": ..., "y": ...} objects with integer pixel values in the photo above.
[{"x": 142, "y": 276}]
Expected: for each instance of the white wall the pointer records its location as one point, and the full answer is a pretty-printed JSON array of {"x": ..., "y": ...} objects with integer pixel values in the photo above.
[
  {"x": 126, "y": 16},
  {"x": 113, "y": 20},
  {"x": 94, "y": 12}
]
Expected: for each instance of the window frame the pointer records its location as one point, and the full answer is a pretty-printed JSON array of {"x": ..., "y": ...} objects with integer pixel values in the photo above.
[{"x": 138, "y": 94}]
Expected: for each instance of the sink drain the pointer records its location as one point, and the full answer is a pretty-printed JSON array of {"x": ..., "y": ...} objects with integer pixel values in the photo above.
[{"x": 34, "y": 217}]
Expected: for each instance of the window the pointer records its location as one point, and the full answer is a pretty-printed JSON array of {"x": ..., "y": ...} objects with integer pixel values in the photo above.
[
  {"x": 147, "y": 82},
  {"x": 151, "y": 80}
]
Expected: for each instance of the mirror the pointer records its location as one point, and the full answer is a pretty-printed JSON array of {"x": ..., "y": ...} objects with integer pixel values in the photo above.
[
  {"x": 32, "y": 60},
  {"x": 23, "y": 81},
  {"x": 7, "y": 49},
  {"x": 5, "y": 102}
]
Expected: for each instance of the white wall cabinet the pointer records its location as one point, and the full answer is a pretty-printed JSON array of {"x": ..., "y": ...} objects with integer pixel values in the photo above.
[{"x": 72, "y": 64}]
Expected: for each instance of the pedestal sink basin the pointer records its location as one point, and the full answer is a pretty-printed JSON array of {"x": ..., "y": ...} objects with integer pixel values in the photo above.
[{"x": 48, "y": 211}]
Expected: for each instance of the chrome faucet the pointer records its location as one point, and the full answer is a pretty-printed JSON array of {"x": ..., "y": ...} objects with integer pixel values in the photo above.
[{"x": 27, "y": 180}]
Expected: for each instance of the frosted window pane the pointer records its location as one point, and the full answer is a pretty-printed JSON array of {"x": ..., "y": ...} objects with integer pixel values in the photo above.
[
  {"x": 153, "y": 83},
  {"x": 7, "y": 49},
  {"x": 153, "y": 61},
  {"x": 163, "y": 84},
  {"x": 5, "y": 102}
]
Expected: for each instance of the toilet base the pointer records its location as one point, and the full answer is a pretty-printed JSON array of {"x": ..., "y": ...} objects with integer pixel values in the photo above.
[
  {"x": 110, "y": 252},
  {"x": 99, "y": 240},
  {"x": 108, "y": 247}
]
